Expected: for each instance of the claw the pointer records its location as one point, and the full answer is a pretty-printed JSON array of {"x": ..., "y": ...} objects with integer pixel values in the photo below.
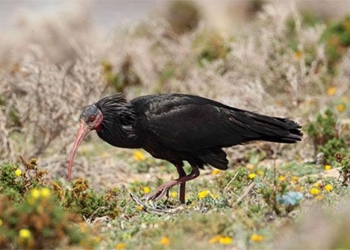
[
  {"x": 164, "y": 189},
  {"x": 161, "y": 191},
  {"x": 150, "y": 208}
]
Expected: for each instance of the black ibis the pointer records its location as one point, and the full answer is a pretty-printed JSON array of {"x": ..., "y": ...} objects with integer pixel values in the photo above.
[{"x": 178, "y": 128}]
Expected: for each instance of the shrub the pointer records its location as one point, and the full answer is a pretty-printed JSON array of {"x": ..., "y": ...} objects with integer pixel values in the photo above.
[
  {"x": 337, "y": 38},
  {"x": 325, "y": 135}
]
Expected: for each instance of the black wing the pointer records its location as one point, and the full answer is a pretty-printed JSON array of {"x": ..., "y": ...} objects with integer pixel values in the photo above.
[{"x": 190, "y": 123}]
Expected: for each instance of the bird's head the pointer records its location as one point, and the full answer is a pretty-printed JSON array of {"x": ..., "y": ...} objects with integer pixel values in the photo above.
[{"x": 90, "y": 119}]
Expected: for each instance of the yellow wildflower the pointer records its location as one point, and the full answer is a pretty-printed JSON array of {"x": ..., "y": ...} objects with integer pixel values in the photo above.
[
  {"x": 281, "y": 178},
  {"x": 298, "y": 188},
  {"x": 250, "y": 166},
  {"x": 259, "y": 172},
  {"x": 139, "y": 207},
  {"x": 257, "y": 237},
  {"x": 331, "y": 91},
  {"x": 294, "y": 179},
  {"x": 251, "y": 176},
  {"x": 104, "y": 155},
  {"x": 215, "y": 171},
  {"x": 35, "y": 193},
  {"x": 165, "y": 241},
  {"x": 314, "y": 191},
  {"x": 1, "y": 222},
  {"x": 298, "y": 54},
  {"x": 97, "y": 239},
  {"x": 24, "y": 234},
  {"x": 45, "y": 192},
  {"x": 341, "y": 107},
  {"x": 346, "y": 25},
  {"x": 215, "y": 239},
  {"x": 146, "y": 190},
  {"x": 214, "y": 195},
  {"x": 327, "y": 167},
  {"x": 319, "y": 197},
  {"x": 225, "y": 240},
  {"x": 203, "y": 194},
  {"x": 83, "y": 227},
  {"x": 120, "y": 246},
  {"x": 328, "y": 187},
  {"x": 173, "y": 194},
  {"x": 139, "y": 156},
  {"x": 18, "y": 172},
  {"x": 316, "y": 184}
]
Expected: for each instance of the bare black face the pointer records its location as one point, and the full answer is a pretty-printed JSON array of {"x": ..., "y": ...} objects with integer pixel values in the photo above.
[{"x": 90, "y": 114}]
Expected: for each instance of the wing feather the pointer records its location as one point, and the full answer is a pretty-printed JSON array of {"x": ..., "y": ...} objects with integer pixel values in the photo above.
[{"x": 190, "y": 123}]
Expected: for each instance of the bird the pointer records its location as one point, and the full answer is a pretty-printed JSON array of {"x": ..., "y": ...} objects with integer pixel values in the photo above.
[{"x": 179, "y": 128}]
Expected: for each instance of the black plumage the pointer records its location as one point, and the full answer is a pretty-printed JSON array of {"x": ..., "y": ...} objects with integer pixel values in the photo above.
[{"x": 178, "y": 128}]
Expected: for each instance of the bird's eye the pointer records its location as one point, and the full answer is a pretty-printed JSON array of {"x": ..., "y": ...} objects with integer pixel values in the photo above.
[{"x": 92, "y": 118}]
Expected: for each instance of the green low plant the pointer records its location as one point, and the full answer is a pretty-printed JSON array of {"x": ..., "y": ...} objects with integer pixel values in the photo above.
[
  {"x": 14, "y": 183},
  {"x": 325, "y": 135},
  {"x": 344, "y": 162},
  {"x": 37, "y": 222},
  {"x": 123, "y": 78},
  {"x": 337, "y": 38},
  {"x": 36, "y": 213},
  {"x": 281, "y": 192},
  {"x": 83, "y": 200}
]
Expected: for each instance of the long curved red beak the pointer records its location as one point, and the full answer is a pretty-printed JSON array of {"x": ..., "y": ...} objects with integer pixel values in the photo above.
[{"x": 84, "y": 130}]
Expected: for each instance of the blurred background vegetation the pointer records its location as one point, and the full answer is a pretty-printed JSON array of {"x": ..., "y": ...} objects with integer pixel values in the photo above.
[{"x": 282, "y": 58}]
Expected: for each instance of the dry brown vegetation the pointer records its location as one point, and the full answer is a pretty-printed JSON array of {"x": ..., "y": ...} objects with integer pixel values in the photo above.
[{"x": 47, "y": 76}]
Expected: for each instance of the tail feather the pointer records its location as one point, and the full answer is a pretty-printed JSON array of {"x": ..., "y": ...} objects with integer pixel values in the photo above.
[
  {"x": 277, "y": 129},
  {"x": 266, "y": 128}
]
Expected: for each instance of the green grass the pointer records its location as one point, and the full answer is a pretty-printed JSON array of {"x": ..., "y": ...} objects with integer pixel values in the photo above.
[
  {"x": 239, "y": 207},
  {"x": 218, "y": 215}
]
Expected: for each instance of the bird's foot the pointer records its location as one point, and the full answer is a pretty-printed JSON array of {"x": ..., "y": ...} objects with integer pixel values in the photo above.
[
  {"x": 161, "y": 191},
  {"x": 151, "y": 208},
  {"x": 164, "y": 189}
]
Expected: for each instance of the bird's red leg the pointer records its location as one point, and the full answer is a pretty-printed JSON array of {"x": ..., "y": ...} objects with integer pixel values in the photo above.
[
  {"x": 182, "y": 173},
  {"x": 163, "y": 189}
]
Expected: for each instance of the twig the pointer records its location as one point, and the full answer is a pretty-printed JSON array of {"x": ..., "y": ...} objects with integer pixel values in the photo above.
[
  {"x": 150, "y": 209},
  {"x": 233, "y": 178},
  {"x": 145, "y": 207},
  {"x": 245, "y": 193},
  {"x": 89, "y": 220}
]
